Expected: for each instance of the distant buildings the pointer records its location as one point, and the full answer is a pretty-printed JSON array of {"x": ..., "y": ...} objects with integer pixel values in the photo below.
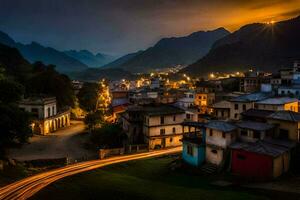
[{"x": 46, "y": 117}]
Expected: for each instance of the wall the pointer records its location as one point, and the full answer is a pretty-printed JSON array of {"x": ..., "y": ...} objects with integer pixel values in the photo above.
[
  {"x": 217, "y": 139},
  {"x": 212, "y": 157},
  {"x": 254, "y": 166},
  {"x": 291, "y": 127},
  {"x": 198, "y": 154},
  {"x": 240, "y": 109}
]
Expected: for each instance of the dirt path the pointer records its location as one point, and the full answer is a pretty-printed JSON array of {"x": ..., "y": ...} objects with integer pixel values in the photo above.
[{"x": 67, "y": 142}]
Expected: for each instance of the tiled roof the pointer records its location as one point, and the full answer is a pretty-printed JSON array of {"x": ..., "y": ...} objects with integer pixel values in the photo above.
[
  {"x": 286, "y": 116},
  {"x": 278, "y": 101},
  {"x": 261, "y": 147},
  {"x": 258, "y": 126},
  {"x": 221, "y": 104},
  {"x": 153, "y": 110},
  {"x": 119, "y": 101},
  {"x": 253, "y": 97},
  {"x": 221, "y": 126},
  {"x": 257, "y": 113}
]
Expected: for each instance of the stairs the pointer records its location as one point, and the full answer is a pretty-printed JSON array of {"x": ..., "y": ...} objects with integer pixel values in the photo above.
[{"x": 209, "y": 168}]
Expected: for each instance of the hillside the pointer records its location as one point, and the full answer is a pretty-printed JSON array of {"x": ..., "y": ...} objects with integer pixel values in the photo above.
[
  {"x": 90, "y": 59},
  {"x": 95, "y": 74},
  {"x": 173, "y": 51},
  {"x": 263, "y": 46},
  {"x": 120, "y": 61},
  {"x": 35, "y": 52}
]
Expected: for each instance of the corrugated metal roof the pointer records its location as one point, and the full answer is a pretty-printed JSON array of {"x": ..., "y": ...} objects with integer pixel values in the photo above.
[
  {"x": 221, "y": 126},
  {"x": 257, "y": 113},
  {"x": 221, "y": 104},
  {"x": 278, "y": 101},
  {"x": 258, "y": 126},
  {"x": 253, "y": 97},
  {"x": 261, "y": 147},
  {"x": 286, "y": 116}
]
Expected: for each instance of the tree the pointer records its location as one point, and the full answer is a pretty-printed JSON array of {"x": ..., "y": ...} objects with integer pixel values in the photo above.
[
  {"x": 108, "y": 136},
  {"x": 14, "y": 123},
  {"x": 88, "y": 96},
  {"x": 10, "y": 91},
  {"x": 46, "y": 80},
  {"x": 93, "y": 119}
]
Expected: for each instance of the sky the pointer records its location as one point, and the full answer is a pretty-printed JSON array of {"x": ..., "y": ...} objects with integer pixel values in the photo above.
[{"x": 118, "y": 27}]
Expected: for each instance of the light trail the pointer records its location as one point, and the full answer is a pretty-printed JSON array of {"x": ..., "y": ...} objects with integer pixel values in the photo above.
[{"x": 27, "y": 187}]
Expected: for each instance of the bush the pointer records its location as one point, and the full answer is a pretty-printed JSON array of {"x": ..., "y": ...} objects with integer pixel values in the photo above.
[{"x": 108, "y": 136}]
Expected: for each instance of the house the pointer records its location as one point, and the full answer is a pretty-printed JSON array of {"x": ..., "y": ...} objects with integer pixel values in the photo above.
[
  {"x": 204, "y": 99},
  {"x": 287, "y": 125},
  {"x": 249, "y": 131},
  {"x": 245, "y": 102},
  {"x": 221, "y": 110},
  {"x": 278, "y": 103},
  {"x": 252, "y": 81},
  {"x": 193, "y": 143},
  {"x": 47, "y": 119},
  {"x": 132, "y": 124},
  {"x": 262, "y": 160},
  {"x": 291, "y": 90},
  {"x": 219, "y": 135},
  {"x": 162, "y": 126},
  {"x": 118, "y": 105},
  {"x": 256, "y": 115}
]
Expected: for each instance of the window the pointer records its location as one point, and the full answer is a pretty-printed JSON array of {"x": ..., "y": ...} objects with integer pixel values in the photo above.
[
  {"x": 210, "y": 132},
  {"x": 53, "y": 113},
  {"x": 222, "y": 113},
  {"x": 283, "y": 134},
  {"x": 214, "y": 151},
  {"x": 191, "y": 96},
  {"x": 174, "y": 130},
  {"x": 162, "y": 120},
  {"x": 199, "y": 97},
  {"x": 223, "y": 135},
  {"x": 244, "y": 133},
  {"x": 256, "y": 134},
  {"x": 35, "y": 112},
  {"x": 244, "y": 107},
  {"x": 49, "y": 112},
  {"x": 190, "y": 150},
  {"x": 171, "y": 139},
  {"x": 188, "y": 116},
  {"x": 174, "y": 118},
  {"x": 241, "y": 157},
  {"x": 162, "y": 131},
  {"x": 236, "y": 106},
  {"x": 235, "y": 115},
  {"x": 282, "y": 92}
]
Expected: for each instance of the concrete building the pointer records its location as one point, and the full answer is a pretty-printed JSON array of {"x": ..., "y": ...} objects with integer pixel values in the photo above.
[
  {"x": 278, "y": 103},
  {"x": 221, "y": 110},
  {"x": 46, "y": 117},
  {"x": 219, "y": 135},
  {"x": 162, "y": 126},
  {"x": 287, "y": 125},
  {"x": 245, "y": 102}
]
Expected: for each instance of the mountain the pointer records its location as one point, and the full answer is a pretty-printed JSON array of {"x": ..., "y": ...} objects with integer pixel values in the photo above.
[
  {"x": 173, "y": 51},
  {"x": 95, "y": 74},
  {"x": 263, "y": 46},
  {"x": 13, "y": 63},
  {"x": 121, "y": 60},
  {"x": 35, "y": 52},
  {"x": 90, "y": 59}
]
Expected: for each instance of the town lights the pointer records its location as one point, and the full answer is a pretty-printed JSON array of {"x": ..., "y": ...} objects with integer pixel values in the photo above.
[{"x": 212, "y": 75}]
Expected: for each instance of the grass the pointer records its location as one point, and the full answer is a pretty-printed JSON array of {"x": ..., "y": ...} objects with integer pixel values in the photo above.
[{"x": 143, "y": 179}]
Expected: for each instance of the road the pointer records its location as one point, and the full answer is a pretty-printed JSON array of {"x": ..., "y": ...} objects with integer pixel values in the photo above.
[
  {"x": 67, "y": 142},
  {"x": 27, "y": 187}
]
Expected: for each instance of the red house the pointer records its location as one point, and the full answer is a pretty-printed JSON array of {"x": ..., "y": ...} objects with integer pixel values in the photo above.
[{"x": 261, "y": 160}]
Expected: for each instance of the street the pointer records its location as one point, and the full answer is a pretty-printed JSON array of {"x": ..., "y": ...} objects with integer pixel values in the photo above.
[
  {"x": 27, "y": 187},
  {"x": 67, "y": 142}
]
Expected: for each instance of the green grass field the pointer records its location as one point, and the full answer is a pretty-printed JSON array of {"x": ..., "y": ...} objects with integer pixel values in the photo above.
[{"x": 142, "y": 179}]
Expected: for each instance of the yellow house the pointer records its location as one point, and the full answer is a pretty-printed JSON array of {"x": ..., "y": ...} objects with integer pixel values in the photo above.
[
  {"x": 278, "y": 103},
  {"x": 287, "y": 123}
]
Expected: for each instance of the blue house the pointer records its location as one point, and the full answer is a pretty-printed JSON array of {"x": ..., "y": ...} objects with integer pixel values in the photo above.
[{"x": 193, "y": 142}]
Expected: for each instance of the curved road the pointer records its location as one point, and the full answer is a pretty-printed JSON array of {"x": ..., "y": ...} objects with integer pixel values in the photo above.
[{"x": 27, "y": 187}]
